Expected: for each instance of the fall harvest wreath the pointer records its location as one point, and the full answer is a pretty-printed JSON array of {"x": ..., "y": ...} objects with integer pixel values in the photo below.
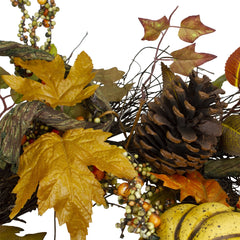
[{"x": 176, "y": 167}]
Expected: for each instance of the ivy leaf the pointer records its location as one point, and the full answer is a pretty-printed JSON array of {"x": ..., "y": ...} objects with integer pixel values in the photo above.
[
  {"x": 111, "y": 91},
  {"x": 60, "y": 170},
  {"x": 153, "y": 28},
  {"x": 195, "y": 185},
  {"x": 57, "y": 90},
  {"x": 9, "y": 233},
  {"x": 232, "y": 68},
  {"x": 186, "y": 59},
  {"x": 191, "y": 28},
  {"x": 230, "y": 139}
]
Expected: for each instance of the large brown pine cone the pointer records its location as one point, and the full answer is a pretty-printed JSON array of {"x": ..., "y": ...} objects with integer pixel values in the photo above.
[{"x": 180, "y": 130}]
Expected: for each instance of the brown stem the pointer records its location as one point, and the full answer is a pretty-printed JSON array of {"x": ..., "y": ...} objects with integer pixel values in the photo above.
[
  {"x": 156, "y": 54},
  {"x": 142, "y": 101}
]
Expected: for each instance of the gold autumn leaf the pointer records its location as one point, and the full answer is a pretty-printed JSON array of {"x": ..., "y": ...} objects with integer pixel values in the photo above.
[
  {"x": 56, "y": 89},
  {"x": 153, "y": 28},
  {"x": 9, "y": 233},
  {"x": 192, "y": 28},
  {"x": 186, "y": 59},
  {"x": 59, "y": 166},
  {"x": 195, "y": 185}
]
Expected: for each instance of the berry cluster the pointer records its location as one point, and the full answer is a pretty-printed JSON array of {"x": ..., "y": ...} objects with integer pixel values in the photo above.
[
  {"x": 144, "y": 198},
  {"x": 44, "y": 17},
  {"x": 141, "y": 216},
  {"x": 36, "y": 129}
]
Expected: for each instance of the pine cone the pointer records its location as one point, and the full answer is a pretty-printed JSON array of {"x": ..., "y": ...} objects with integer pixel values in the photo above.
[{"x": 180, "y": 131}]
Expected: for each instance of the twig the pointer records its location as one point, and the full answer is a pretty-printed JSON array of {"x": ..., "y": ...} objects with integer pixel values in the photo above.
[
  {"x": 119, "y": 120},
  {"x": 55, "y": 227},
  {"x": 5, "y": 107},
  {"x": 142, "y": 101},
  {"x": 76, "y": 48}
]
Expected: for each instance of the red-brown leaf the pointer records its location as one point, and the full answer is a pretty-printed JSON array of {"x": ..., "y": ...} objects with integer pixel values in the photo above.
[
  {"x": 232, "y": 68},
  {"x": 186, "y": 59},
  {"x": 195, "y": 185},
  {"x": 153, "y": 28},
  {"x": 192, "y": 28}
]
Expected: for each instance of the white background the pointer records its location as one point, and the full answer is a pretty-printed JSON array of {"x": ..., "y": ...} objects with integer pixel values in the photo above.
[{"x": 114, "y": 37}]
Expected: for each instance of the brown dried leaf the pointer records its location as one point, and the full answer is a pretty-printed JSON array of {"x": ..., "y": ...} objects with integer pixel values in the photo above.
[
  {"x": 192, "y": 28},
  {"x": 186, "y": 59},
  {"x": 111, "y": 91},
  {"x": 153, "y": 28}
]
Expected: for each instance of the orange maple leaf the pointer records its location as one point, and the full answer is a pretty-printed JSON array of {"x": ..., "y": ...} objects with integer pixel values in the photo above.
[
  {"x": 153, "y": 28},
  {"x": 59, "y": 167},
  {"x": 195, "y": 185},
  {"x": 57, "y": 90},
  {"x": 186, "y": 59},
  {"x": 192, "y": 28}
]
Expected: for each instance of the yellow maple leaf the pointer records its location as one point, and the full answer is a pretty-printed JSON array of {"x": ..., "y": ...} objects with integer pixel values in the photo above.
[
  {"x": 59, "y": 165},
  {"x": 56, "y": 89}
]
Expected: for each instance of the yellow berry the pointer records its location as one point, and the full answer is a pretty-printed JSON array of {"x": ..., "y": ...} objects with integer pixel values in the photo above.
[{"x": 42, "y": 1}]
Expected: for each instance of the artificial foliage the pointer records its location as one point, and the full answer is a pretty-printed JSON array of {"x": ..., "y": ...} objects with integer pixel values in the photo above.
[{"x": 165, "y": 142}]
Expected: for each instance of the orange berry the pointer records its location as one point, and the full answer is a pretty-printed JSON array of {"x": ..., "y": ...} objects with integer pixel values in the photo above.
[
  {"x": 42, "y": 1},
  {"x": 24, "y": 139},
  {"x": 155, "y": 219},
  {"x": 99, "y": 175},
  {"x": 45, "y": 13},
  {"x": 123, "y": 189},
  {"x": 46, "y": 23},
  {"x": 80, "y": 118},
  {"x": 146, "y": 206}
]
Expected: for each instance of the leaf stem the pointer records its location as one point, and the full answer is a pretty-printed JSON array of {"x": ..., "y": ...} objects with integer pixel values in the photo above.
[{"x": 156, "y": 53}]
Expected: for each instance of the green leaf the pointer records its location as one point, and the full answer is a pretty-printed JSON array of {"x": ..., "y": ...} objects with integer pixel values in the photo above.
[
  {"x": 75, "y": 111},
  {"x": 230, "y": 139},
  {"x": 53, "y": 50},
  {"x": 9, "y": 233},
  {"x": 2, "y": 83},
  {"x": 16, "y": 97},
  {"x": 221, "y": 168},
  {"x": 219, "y": 81}
]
